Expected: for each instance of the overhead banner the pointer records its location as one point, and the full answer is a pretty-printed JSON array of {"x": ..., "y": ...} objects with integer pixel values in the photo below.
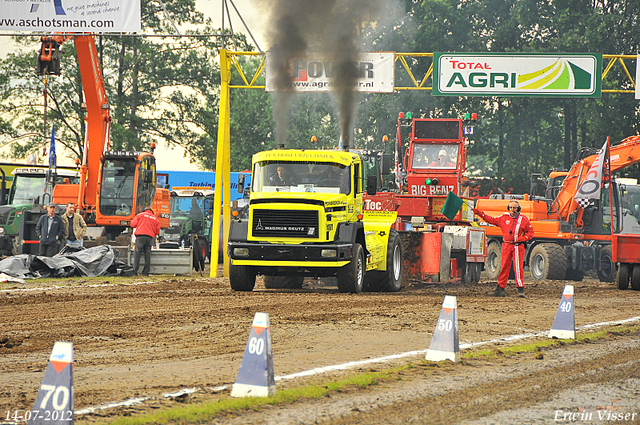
[
  {"x": 526, "y": 74},
  {"x": 315, "y": 73},
  {"x": 96, "y": 16}
]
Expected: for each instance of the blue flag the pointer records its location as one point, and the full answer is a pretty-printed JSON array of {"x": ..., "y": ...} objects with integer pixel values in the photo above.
[{"x": 52, "y": 148}]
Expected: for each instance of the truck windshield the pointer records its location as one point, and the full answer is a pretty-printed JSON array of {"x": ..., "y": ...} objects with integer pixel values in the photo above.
[
  {"x": 271, "y": 176},
  {"x": 434, "y": 156},
  {"x": 26, "y": 188},
  {"x": 116, "y": 194}
]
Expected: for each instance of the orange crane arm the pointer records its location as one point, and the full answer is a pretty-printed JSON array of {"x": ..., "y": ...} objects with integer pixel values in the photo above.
[{"x": 622, "y": 155}]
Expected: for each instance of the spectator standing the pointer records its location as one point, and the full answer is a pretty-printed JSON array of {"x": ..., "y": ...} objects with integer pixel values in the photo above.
[
  {"x": 75, "y": 227},
  {"x": 516, "y": 230},
  {"x": 147, "y": 227},
  {"x": 50, "y": 231}
]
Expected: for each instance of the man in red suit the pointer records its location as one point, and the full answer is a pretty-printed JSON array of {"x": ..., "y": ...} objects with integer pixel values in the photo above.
[{"x": 516, "y": 230}]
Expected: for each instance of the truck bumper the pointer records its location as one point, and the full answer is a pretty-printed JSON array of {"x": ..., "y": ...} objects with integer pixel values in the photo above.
[{"x": 282, "y": 255}]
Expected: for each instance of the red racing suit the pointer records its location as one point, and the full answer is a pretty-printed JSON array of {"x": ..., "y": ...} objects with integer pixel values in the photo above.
[
  {"x": 515, "y": 232},
  {"x": 146, "y": 224}
]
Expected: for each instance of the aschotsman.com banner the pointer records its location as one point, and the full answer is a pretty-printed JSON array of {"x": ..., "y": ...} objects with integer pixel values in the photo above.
[
  {"x": 317, "y": 72},
  {"x": 96, "y": 16}
]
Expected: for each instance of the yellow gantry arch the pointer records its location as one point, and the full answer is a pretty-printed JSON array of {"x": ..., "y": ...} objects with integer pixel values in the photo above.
[{"x": 411, "y": 74}]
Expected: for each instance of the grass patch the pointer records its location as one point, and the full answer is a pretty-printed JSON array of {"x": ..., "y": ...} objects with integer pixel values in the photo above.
[{"x": 206, "y": 412}]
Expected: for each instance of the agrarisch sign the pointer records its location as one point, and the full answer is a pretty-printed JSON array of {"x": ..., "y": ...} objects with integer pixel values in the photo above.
[
  {"x": 79, "y": 16},
  {"x": 316, "y": 73},
  {"x": 525, "y": 74}
]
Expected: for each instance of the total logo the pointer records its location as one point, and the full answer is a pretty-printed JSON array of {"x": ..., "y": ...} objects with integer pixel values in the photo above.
[{"x": 431, "y": 190}]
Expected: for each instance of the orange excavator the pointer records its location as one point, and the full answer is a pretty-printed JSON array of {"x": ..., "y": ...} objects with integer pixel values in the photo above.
[
  {"x": 114, "y": 185},
  {"x": 569, "y": 239}
]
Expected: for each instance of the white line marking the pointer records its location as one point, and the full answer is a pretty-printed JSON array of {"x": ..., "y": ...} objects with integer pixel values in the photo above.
[{"x": 348, "y": 365}]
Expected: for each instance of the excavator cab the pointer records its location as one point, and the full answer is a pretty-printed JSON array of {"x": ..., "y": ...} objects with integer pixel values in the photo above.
[{"x": 128, "y": 186}]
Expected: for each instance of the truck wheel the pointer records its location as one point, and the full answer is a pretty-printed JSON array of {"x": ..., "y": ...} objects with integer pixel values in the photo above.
[
  {"x": 283, "y": 282},
  {"x": 389, "y": 280},
  {"x": 351, "y": 276},
  {"x": 242, "y": 278},
  {"x": 623, "y": 276},
  {"x": 494, "y": 260},
  {"x": 607, "y": 272},
  {"x": 472, "y": 273},
  {"x": 548, "y": 261},
  {"x": 575, "y": 275},
  {"x": 635, "y": 278}
]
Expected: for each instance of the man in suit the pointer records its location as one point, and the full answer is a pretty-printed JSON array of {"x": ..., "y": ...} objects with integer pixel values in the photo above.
[{"x": 50, "y": 230}]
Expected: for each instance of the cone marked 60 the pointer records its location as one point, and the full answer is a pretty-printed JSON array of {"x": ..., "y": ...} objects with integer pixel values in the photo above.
[
  {"x": 54, "y": 402},
  {"x": 564, "y": 325},
  {"x": 256, "y": 377},
  {"x": 444, "y": 343}
]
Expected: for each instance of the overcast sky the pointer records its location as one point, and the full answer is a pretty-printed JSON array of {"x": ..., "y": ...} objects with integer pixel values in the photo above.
[{"x": 173, "y": 158}]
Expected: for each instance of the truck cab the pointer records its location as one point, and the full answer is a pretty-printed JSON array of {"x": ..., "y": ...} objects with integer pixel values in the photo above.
[{"x": 306, "y": 218}]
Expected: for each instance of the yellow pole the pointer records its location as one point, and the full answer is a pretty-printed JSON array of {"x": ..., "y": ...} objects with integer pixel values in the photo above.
[{"x": 222, "y": 163}]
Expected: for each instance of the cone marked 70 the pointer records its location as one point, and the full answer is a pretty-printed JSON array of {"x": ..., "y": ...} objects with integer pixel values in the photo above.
[
  {"x": 54, "y": 402},
  {"x": 564, "y": 325},
  {"x": 256, "y": 377},
  {"x": 444, "y": 343}
]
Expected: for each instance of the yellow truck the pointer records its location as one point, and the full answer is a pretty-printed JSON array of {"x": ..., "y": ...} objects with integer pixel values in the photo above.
[{"x": 306, "y": 218}]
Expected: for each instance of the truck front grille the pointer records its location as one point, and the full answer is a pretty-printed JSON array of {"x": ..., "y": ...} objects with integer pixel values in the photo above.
[{"x": 284, "y": 223}]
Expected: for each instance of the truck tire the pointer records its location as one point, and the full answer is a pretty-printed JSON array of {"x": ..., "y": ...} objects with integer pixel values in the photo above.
[
  {"x": 635, "y": 278},
  {"x": 472, "y": 273},
  {"x": 351, "y": 276},
  {"x": 389, "y": 280},
  {"x": 548, "y": 261},
  {"x": 623, "y": 276},
  {"x": 607, "y": 271},
  {"x": 494, "y": 260},
  {"x": 242, "y": 278},
  {"x": 283, "y": 282}
]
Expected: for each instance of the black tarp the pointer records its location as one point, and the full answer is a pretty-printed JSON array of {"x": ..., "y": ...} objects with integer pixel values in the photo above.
[{"x": 71, "y": 261}]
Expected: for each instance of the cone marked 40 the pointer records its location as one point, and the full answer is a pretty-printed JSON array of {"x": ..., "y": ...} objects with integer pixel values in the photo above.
[
  {"x": 564, "y": 325},
  {"x": 54, "y": 402},
  {"x": 256, "y": 377},
  {"x": 445, "y": 344}
]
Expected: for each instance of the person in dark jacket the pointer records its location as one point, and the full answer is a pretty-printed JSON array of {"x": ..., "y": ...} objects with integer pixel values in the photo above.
[
  {"x": 50, "y": 230},
  {"x": 147, "y": 228}
]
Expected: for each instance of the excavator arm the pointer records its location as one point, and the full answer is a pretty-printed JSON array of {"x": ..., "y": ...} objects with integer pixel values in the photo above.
[{"x": 622, "y": 155}]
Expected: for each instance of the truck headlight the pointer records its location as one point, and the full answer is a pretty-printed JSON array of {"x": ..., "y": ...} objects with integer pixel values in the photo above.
[
  {"x": 1, "y": 230},
  {"x": 328, "y": 253},
  {"x": 241, "y": 252}
]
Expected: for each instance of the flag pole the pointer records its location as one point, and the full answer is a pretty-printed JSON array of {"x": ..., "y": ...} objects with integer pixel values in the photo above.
[{"x": 613, "y": 245}]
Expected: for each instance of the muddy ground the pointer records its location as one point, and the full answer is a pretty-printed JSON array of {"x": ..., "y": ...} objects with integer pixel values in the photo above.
[{"x": 144, "y": 338}]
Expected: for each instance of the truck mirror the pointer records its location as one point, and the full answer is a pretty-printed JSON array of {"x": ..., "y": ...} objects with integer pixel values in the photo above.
[
  {"x": 386, "y": 163},
  {"x": 372, "y": 185},
  {"x": 240, "y": 183}
]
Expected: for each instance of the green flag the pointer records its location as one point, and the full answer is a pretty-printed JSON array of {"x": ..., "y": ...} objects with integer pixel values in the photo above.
[{"x": 451, "y": 206}]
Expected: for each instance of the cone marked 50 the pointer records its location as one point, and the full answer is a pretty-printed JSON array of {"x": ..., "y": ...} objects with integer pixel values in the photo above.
[{"x": 445, "y": 344}]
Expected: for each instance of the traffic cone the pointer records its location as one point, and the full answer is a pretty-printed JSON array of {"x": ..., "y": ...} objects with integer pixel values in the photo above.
[
  {"x": 444, "y": 343},
  {"x": 54, "y": 402},
  {"x": 256, "y": 377},
  {"x": 564, "y": 325}
]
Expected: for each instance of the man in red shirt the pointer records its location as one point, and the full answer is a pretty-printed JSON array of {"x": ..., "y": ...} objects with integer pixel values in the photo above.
[
  {"x": 147, "y": 228},
  {"x": 516, "y": 230}
]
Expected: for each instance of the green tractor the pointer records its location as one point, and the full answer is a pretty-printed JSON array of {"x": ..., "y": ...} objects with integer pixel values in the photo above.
[{"x": 190, "y": 224}]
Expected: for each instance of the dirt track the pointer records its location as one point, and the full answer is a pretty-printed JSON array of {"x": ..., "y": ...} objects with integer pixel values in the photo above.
[{"x": 143, "y": 339}]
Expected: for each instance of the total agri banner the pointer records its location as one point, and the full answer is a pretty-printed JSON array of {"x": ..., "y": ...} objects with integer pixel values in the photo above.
[
  {"x": 524, "y": 74},
  {"x": 79, "y": 16},
  {"x": 316, "y": 73}
]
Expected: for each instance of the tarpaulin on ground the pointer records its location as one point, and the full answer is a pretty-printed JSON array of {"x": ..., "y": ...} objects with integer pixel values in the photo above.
[{"x": 71, "y": 261}]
